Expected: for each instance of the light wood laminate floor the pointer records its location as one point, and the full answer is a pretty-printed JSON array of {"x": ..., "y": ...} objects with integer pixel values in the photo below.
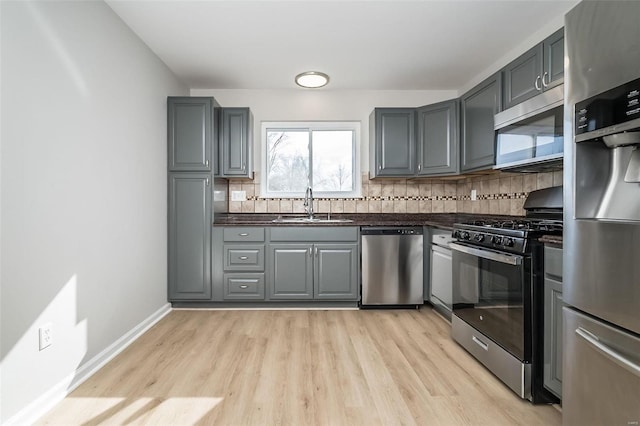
[{"x": 372, "y": 367}]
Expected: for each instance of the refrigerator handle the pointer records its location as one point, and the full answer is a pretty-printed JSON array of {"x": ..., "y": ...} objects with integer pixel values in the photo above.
[{"x": 610, "y": 353}]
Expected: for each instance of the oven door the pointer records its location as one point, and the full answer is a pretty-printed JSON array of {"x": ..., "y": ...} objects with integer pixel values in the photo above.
[{"x": 492, "y": 293}]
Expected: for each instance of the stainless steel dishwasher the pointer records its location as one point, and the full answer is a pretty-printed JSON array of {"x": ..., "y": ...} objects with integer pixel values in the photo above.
[{"x": 392, "y": 266}]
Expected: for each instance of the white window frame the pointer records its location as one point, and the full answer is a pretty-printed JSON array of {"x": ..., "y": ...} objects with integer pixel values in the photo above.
[{"x": 311, "y": 126}]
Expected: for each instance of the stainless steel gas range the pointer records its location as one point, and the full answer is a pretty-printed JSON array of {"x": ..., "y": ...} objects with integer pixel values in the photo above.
[{"x": 498, "y": 292}]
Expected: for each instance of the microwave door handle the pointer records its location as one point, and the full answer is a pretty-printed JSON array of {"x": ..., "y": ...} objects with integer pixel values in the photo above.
[{"x": 486, "y": 254}]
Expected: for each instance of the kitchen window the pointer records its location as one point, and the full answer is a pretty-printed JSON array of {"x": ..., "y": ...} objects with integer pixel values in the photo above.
[{"x": 320, "y": 154}]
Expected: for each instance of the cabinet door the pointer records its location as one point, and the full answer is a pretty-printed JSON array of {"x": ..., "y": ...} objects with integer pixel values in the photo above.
[
  {"x": 441, "y": 276},
  {"x": 189, "y": 236},
  {"x": 553, "y": 336},
  {"x": 336, "y": 271},
  {"x": 190, "y": 133},
  {"x": 291, "y": 271},
  {"x": 438, "y": 139},
  {"x": 235, "y": 146},
  {"x": 523, "y": 77},
  {"x": 479, "y": 105},
  {"x": 553, "y": 61},
  {"x": 393, "y": 130}
]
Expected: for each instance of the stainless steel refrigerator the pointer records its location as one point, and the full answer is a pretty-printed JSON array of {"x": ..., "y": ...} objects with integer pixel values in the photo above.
[{"x": 601, "y": 360}]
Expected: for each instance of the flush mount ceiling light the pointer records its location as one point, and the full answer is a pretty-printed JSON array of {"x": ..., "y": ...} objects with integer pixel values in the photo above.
[{"x": 312, "y": 79}]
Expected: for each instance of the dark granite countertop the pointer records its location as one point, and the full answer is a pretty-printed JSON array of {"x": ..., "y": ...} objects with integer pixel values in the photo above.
[
  {"x": 551, "y": 239},
  {"x": 438, "y": 220}
]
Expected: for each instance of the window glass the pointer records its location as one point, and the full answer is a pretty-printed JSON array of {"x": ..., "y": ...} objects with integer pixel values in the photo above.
[{"x": 322, "y": 155}]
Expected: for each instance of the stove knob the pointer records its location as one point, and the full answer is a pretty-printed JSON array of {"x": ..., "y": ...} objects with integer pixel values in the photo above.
[
  {"x": 496, "y": 239},
  {"x": 455, "y": 234},
  {"x": 465, "y": 235},
  {"x": 479, "y": 238},
  {"x": 508, "y": 242}
]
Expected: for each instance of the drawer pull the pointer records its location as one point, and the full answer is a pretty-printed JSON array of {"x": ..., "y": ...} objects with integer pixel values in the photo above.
[
  {"x": 244, "y": 286},
  {"x": 480, "y": 343},
  {"x": 243, "y": 234},
  {"x": 244, "y": 257}
]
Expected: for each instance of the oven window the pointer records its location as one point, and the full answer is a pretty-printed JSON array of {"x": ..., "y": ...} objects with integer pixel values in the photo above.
[
  {"x": 534, "y": 137},
  {"x": 490, "y": 296}
]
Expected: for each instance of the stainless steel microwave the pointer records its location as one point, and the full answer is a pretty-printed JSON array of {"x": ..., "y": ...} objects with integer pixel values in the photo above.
[{"x": 529, "y": 136}]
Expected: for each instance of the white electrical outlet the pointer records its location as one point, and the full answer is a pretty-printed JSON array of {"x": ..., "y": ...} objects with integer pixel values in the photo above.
[
  {"x": 238, "y": 196},
  {"x": 46, "y": 335},
  {"x": 474, "y": 195}
]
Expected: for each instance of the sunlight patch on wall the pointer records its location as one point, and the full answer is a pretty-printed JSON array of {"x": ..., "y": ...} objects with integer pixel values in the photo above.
[{"x": 50, "y": 35}]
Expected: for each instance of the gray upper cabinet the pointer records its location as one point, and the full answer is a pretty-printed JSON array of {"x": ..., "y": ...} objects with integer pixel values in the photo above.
[
  {"x": 336, "y": 271},
  {"x": 236, "y": 146},
  {"x": 191, "y": 133},
  {"x": 438, "y": 139},
  {"x": 539, "y": 69},
  {"x": 189, "y": 236},
  {"x": 553, "y": 62},
  {"x": 478, "y": 106},
  {"x": 393, "y": 150}
]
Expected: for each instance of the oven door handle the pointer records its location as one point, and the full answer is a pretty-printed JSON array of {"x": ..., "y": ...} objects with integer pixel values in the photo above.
[{"x": 488, "y": 254}]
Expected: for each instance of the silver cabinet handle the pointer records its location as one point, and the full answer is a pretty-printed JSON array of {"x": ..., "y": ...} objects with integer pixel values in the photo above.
[
  {"x": 315, "y": 251},
  {"x": 480, "y": 343},
  {"x": 309, "y": 251},
  {"x": 244, "y": 257},
  {"x": 206, "y": 163},
  {"x": 537, "y": 83},
  {"x": 379, "y": 166},
  {"x": 546, "y": 74},
  {"x": 243, "y": 234},
  {"x": 244, "y": 286},
  {"x": 487, "y": 254},
  {"x": 419, "y": 167},
  {"x": 610, "y": 353},
  {"x": 206, "y": 182}
]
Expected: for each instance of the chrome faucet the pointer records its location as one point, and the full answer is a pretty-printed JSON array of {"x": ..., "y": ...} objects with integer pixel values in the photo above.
[{"x": 308, "y": 202}]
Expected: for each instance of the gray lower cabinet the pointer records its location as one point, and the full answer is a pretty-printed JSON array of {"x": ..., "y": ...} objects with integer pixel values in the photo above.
[
  {"x": 539, "y": 69},
  {"x": 192, "y": 133},
  {"x": 243, "y": 286},
  {"x": 319, "y": 263},
  {"x": 301, "y": 271},
  {"x": 291, "y": 271},
  {"x": 189, "y": 243},
  {"x": 553, "y": 304},
  {"x": 478, "y": 106},
  {"x": 438, "y": 139},
  {"x": 236, "y": 129},
  {"x": 336, "y": 271},
  {"x": 393, "y": 142},
  {"x": 240, "y": 253},
  {"x": 285, "y": 264}
]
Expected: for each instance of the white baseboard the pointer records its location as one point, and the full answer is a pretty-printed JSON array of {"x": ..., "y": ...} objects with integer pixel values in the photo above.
[{"x": 45, "y": 402}]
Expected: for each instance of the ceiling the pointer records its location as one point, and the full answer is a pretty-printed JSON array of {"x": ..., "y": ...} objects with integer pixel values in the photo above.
[{"x": 376, "y": 45}]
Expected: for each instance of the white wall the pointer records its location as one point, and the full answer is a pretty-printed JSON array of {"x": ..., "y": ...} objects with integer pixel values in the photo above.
[
  {"x": 83, "y": 189},
  {"x": 321, "y": 104}
]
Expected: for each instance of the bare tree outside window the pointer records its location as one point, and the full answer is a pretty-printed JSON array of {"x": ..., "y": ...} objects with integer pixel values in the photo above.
[{"x": 298, "y": 156}]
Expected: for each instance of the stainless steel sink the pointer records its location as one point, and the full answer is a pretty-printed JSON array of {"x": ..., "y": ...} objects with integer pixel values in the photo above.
[{"x": 309, "y": 220}]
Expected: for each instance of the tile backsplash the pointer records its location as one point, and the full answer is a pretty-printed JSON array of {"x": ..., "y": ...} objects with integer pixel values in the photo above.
[{"x": 496, "y": 193}]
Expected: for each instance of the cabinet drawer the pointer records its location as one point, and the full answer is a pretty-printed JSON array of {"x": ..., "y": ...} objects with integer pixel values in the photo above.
[
  {"x": 236, "y": 234},
  {"x": 553, "y": 261},
  {"x": 244, "y": 286},
  {"x": 243, "y": 257}
]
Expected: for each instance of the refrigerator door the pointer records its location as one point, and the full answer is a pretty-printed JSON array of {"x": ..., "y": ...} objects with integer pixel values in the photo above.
[{"x": 601, "y": 383}]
